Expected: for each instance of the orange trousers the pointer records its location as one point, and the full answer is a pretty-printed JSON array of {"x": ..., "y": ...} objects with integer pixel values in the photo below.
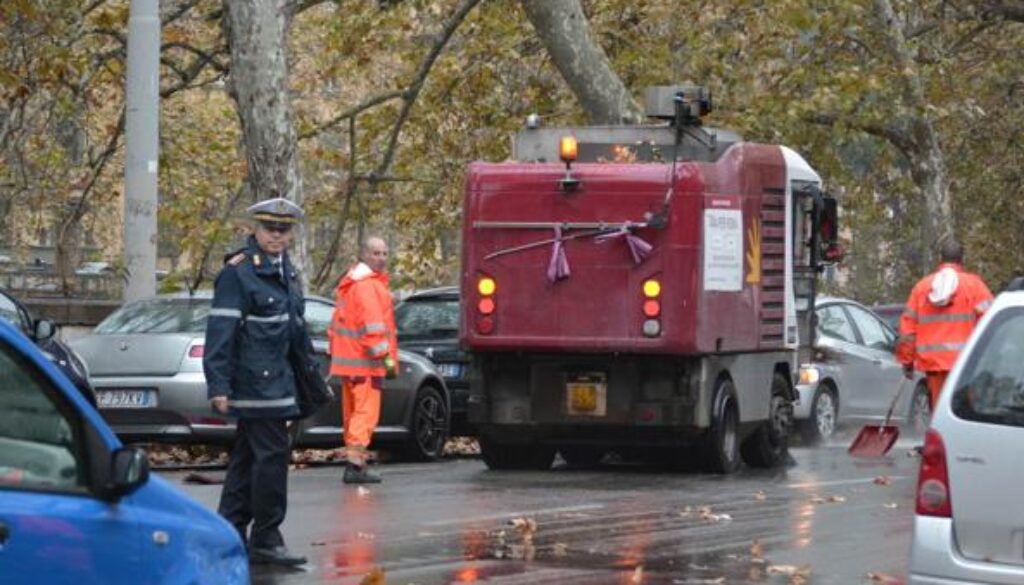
[
  {"x": 935, "y": 380},
  {"x": 360, "y": 413}
]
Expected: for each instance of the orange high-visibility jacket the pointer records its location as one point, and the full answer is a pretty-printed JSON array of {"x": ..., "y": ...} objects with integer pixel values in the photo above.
[
  {"x": 362, "y": 329},
  {"x": 932, "y": 335}
]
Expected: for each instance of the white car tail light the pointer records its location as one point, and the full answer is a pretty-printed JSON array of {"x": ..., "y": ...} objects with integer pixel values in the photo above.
[{"x": 933, "y": 497}]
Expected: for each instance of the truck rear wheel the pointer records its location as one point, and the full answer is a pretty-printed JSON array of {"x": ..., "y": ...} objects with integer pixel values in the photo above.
[
  {"x": 505, "y": 456},
  {"x": 768, "y": 446},
  {"x": 721, "y": 444}
]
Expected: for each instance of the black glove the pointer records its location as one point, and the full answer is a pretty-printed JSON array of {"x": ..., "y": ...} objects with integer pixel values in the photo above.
[
  {"x": 390, "y": 372},
  {"x": 908, "y": 372}
]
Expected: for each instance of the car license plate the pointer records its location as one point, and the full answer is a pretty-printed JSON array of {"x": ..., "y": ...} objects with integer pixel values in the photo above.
[
  {"x": 126, "y": 398},
  {"x": 450, "y": 370},
  {"x": 587, "y": 394}
]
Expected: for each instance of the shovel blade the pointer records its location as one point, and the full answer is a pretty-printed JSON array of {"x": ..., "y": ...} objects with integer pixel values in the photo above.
[{"x": 874, "y": 440}]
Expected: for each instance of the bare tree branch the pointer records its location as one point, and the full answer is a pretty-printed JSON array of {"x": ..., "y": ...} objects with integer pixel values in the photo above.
[
  {"x": 351, "y": 113},
  {"x": 351, "y": 190},
  {"x": 420, "y": 79}
]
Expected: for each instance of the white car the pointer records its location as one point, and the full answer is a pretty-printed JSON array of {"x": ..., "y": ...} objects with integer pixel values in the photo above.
[{"x": 969, "y": 523}]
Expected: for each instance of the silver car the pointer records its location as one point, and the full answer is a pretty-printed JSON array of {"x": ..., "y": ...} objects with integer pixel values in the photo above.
[
  {"x": 855, "y": 376},
  {"x": 146, "y": 364},
  {"x": 969, "y": 523}
]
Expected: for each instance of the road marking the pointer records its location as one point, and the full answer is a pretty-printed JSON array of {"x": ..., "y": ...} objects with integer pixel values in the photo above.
[
  {"x": 811, "y": 484},
  {"x": 510, "y": 515}
]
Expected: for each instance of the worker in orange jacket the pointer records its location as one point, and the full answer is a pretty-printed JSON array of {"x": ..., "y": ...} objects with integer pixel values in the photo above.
[
  {"x": 940, "y": 315},
  {"x": 364, "y": 351}
]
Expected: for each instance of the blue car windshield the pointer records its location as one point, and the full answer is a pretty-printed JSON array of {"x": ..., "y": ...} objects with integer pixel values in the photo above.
[{"x": 158, "y": 316}]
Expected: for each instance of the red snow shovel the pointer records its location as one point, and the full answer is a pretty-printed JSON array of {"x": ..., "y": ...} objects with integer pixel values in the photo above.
[{"x": 876, "y": 440}]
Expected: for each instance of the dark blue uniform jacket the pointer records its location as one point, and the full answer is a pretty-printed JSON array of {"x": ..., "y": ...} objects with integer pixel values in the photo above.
[{"x": 257, "y": 316}]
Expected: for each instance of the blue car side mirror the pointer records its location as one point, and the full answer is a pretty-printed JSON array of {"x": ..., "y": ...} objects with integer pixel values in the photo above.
[{"x": 129, "y": 470}]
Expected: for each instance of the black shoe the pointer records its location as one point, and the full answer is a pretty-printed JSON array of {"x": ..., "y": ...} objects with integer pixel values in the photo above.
[
  {"x": 277, "y": 555},
  {"x": 356, "y": 474}
]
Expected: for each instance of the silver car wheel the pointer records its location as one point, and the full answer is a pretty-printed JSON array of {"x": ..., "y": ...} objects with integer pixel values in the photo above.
[{"x": 825, "y": 414}]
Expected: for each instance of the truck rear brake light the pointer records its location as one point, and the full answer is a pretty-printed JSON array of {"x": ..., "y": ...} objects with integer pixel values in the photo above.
[
  {"x": 196, "y": 351},
  {"x": 933, "y": 497},
  {"x": 652, "y": 308},
  {"x": 486, "y": 286},
  {"x": 485, "y": 306}
]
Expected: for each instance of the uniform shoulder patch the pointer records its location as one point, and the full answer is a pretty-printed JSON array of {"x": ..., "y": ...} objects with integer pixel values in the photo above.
[{"x": 236, "y": 259}]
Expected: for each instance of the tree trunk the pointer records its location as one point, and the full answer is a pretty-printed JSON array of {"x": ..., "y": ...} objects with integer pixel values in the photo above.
[
  {"x": 927, "y": 161},
  {"x": 565, "y": 32},
  {"x": 257, "y": 32}
]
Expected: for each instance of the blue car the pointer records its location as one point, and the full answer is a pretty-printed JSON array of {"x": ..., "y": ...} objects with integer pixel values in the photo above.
[{"x": 78, "y": 507}]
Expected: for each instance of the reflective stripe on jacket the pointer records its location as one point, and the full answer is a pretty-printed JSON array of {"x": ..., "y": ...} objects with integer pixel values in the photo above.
[
  {"x": 257, "y": 315},
  {"x": 362, "y": 329},
  {"x": 932, "y": 336}
]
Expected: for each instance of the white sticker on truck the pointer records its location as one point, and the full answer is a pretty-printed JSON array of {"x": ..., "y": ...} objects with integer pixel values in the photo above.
[{"x": 723, "y": 249}]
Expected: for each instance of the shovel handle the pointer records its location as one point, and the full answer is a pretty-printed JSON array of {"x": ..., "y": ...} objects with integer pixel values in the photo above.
[{"x": 895, "y": 399}]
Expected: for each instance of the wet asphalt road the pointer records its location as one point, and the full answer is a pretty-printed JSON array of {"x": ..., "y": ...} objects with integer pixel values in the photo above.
[{"x": 834, "y": 517}]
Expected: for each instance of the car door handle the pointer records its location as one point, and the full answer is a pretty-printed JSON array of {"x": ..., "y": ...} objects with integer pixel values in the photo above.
[
  {"x": 5, "y": 533},
  {"x": 876, "y": 361}
]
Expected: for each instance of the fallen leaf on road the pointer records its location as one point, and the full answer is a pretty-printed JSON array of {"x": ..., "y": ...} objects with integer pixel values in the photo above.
[
  {"x": 526, "y": 527},
  {"x": 883, "y": 480},
  {"x": 760, "y": 496},
  {"x": 560, "y": 549},
  {"x": 374, "y": 577},
  {"x": 884, "y": 579},
  {"x": 828, "y": 500},
  {"x": 462, "y": 446},
  {"x": 707, "y": 515},
  {"x": 757, "y": 550},
  {"x": 638, "y": 575},
  {"x": 790, "y": 570}
]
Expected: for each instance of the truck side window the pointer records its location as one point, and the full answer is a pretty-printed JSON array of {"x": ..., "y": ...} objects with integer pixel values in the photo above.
[
  {"x": 38, "y": 446},
  {"x": 832, "y": 323}
]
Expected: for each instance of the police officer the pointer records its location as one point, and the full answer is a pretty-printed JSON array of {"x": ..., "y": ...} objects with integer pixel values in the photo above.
[{"x": 256, "y": 316}]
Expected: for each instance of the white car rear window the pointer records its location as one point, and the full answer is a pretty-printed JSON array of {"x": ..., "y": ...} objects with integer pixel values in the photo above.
[{"x": 990, "y": 388}]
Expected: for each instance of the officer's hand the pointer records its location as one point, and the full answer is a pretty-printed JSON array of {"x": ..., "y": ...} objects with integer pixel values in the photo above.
[
  {"x": 390, "y": 372},
  {"x": 220, "y": 404},
  {"x": 908, "y": 372}
]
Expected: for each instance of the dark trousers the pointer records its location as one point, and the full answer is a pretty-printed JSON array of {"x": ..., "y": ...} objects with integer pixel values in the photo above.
[{"x": 256, "y": 485}]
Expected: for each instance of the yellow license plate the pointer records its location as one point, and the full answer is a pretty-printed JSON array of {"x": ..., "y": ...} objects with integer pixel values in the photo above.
[
  {"x": 586, "y": 397},
  {"x": 583, "y": 397}
]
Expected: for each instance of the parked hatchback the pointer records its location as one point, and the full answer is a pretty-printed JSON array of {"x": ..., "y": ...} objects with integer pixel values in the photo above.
[
  {"x": 855, "y": 376},
  {"x": 428, "y": 324},
  {"x": 969, "y": 523},
  {"x": 77, "y": 507},
  {"x": 44, "y": 333},
  {"x": 146, "y": 361}
]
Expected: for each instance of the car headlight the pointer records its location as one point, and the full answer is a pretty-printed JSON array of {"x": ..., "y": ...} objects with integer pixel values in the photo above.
[{"x": 809, "y": 375}]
